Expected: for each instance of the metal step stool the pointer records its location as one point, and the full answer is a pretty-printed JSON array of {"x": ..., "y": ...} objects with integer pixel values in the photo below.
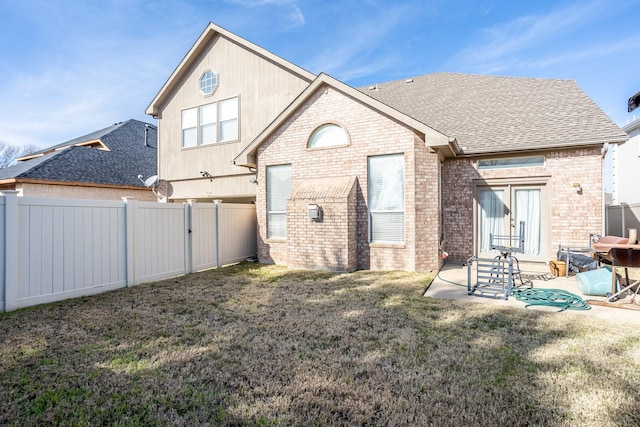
[{"x": 496, "y": 277}]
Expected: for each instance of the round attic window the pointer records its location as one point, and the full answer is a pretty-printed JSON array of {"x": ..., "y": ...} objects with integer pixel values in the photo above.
[
  {"x": 208, "y": 82},
  {"x": 328, "y": 135}
]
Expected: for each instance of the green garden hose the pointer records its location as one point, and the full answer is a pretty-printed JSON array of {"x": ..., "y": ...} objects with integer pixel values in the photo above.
[{"x": 551, "y": 297}]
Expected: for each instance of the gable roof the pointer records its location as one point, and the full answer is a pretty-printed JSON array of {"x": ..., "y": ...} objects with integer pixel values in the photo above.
[
  {"x": 491, "y": 114},
  {"x": 433, "y": 138},
  {"x": 125, "y": 156},
  {"x": 211, "y": 32}
]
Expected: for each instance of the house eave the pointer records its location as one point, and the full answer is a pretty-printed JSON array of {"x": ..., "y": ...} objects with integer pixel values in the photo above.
[
  {"x": 432, "y": 137},
  {"x": 70, "y": 183},
  {"x": 96, "y": 143},
  {"x": 546, "y": 148}
]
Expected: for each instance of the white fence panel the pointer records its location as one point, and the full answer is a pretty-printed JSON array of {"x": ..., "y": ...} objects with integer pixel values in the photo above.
[
  {"x": 204, "y": 236},
  {"x": 238, "y": 232},
  {"x": 54, "y": 249},
  {"x": 2, "y": 252},
  {"x": 619, "y": 218},
  {"x": 68, "y": 248},
  {"x": 160, "y": 232}
]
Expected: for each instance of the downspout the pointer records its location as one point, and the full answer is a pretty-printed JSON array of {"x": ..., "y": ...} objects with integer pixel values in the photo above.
[
  {"x": 217, "y": 203},
  {"x": 604, "y": 226}
]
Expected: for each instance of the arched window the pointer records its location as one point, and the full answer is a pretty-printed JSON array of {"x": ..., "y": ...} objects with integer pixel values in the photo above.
[{"x": 328, "y": 135}]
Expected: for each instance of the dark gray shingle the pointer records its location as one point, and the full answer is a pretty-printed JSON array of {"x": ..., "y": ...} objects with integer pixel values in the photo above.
[{"x": 128, "y": 156}]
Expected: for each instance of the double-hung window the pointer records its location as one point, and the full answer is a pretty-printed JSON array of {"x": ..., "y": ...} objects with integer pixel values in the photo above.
[
  {"x": 228, "y": 117},
  {"x": 278, "y": 191},
  {"x": 386, "y": 198},
  {"x": 210, "y": 123},
  {"x": 189, "y": 128}
]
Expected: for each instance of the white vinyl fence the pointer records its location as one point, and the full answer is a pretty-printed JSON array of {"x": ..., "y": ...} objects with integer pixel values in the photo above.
[
  {"x": 620, "y": 218},
  {"x": 54, "y": 249}
]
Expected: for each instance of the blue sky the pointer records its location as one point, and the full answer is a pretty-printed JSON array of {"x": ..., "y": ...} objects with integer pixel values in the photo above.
[{"x": 68, "y": 68}]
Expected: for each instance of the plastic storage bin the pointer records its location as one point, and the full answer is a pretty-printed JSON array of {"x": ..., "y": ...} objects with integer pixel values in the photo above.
[
  {"x": 558, "y": 268},
  {"x": 595, "y": 282}
]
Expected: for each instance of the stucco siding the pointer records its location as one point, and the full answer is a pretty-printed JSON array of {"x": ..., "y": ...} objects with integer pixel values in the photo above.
[{"x": 263, "y": 88}]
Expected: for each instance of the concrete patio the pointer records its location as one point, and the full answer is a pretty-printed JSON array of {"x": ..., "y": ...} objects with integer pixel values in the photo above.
[{"x": 451, "y": 283}]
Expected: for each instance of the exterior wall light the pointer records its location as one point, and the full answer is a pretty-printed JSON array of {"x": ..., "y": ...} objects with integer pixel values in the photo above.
[
  {"x": 578, "y": 187},
  {"x": 315, "y": 213}
]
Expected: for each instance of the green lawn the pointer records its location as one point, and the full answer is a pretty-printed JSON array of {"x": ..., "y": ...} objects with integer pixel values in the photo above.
[{"x": 261, "y": 345}]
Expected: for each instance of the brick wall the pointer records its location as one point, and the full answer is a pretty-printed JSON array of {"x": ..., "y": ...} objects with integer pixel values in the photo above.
[
  {"x": 370, "y": 133},
  {"x": 84, "y": 192},
  {"x": 570, "y": 216},
  {"x": 325, "y": 244}
]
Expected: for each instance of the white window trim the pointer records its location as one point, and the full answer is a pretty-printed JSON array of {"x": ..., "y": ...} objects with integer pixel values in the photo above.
[
  {"x": 271, "y": 212},
  {"x": 396, "y": 211},
  {"x": 502, "y": 163},
  {"x": 183, "y": 113},
  {"x": 345, "y": 140},
  {"x": 200, "y": 124},
  {"x": 215, "y": 86}
]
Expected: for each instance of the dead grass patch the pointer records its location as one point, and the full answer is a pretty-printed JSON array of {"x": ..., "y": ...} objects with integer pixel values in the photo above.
[{"x": 262, "y": 345}]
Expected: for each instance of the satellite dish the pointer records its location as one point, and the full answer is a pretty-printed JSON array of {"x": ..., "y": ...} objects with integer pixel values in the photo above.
[
  {"x": 163, "y": 189},
  {"x": 151, "y": 181}
]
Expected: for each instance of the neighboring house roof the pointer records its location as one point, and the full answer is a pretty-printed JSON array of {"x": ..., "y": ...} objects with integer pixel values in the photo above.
[
  {"x": 209, "y": 33},
  {"x": 491, "y": 114},
  {"x": 126, "y": 154},
  {"x": 91, "y": 139},
  {"x": 433, "y": 138},
  {"x": 630, "y": 127}
]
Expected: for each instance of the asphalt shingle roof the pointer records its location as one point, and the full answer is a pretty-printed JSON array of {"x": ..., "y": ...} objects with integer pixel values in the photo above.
[
  {"x": 128, "y": 156},
  {"x": 491, "y": 114}
]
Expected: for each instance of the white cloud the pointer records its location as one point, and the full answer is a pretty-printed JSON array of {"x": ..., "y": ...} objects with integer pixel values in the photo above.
[
  {"x": 497, "y": 45},
  {"x": 631, "y": 45},
  {"x": 361, "y": 47},
  {"x": 74, "y": 78},
  {"x": 294, "y": 15}
]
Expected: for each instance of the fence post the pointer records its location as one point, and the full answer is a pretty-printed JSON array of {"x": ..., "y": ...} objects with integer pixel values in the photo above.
[
  {"x": 217, "y": 202},
  {"x": 11, "y": 250},
  {"x": 129, "y": 238},
  {"x": 188, "y": 248}
]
